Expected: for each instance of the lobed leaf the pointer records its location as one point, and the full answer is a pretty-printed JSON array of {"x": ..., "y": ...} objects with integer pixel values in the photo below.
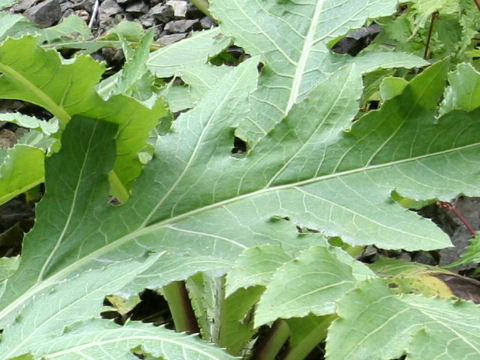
[
  {"x": 375, "y": 324},
  {"x": 292, "y": 38},
  {"x": 310, "y": 283}
]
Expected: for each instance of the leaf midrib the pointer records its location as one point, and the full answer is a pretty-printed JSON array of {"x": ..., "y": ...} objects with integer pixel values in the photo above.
[
  {"x": 49, "y": 103},
  {"x": 154, "y": 227}
]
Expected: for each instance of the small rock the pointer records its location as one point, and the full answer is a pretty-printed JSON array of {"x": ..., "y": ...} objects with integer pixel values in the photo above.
[
  {"x": 23, "y": 5},
  {"x": 181, "y": 26},
  {"x": 65, "y": 6},
  {"x": 83, "y": 5},
  {"x": 424, "y": 258},
  {"x": 7, "y": 138},
  {"x": 460, "y": 239},
  {"x": 179, "y": 8},
  {"x": 404, "y": 256},
  {"x": 109, "y": 8},
  {"x": 147, "y": 20},
  {"x": 113, "y": 55},
  {"x": 162, "y": 13},
  {"x": 138, "y": 7},
  {"x": 45, "y": 14},
  {"x": 207, "y": 22},
  {"x": 67, "y": 13},
  {"x": 83, "y": 14},
  {"x": 170, "y": 39},
  {"x": 193, "y": 12}
]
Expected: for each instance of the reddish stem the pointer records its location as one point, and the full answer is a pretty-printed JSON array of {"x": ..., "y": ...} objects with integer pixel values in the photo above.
[
  {"x": 451, "y": 207},
  {"x": 477, "y": 3},
  {"x": 430, "y": 31}
]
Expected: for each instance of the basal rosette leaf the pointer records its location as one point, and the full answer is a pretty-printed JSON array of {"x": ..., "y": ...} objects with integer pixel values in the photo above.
[
  {"x": 291, "y": 37},
  {"x": 76, "y": 226},
  {"x": 96, "y": 338},
  {"x": 68, "y": 327},
  {"x": 66, "y": 88},
  {"x": 310, "y": 283},
  {"x": 316, "y": 173},
  {"x": 196, "y": 199},
  {"x": 63, "y": 304},
  {"x": 376, "y": 324}
]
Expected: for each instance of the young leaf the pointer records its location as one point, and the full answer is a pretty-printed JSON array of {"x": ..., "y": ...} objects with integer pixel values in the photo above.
[
  {"x": 375, "y": 324},
  {"x": 71, "y": 27},
  {"x": 135, "y": 79}
]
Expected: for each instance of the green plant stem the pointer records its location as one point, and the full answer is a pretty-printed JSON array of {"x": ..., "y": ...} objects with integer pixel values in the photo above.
[
  {"x": 202, "y": 5},
  {"x": 180, "y": 307},
  {"x": 47, "y": 102},
  {"x": 270, "y": 348},
  {"x": 308, "y": 343}
]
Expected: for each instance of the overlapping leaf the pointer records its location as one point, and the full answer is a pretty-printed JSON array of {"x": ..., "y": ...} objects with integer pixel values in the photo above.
[
  {"x": 67, "y": 327},
  {"x": 41, "y": 77},
  {"x": 196, "y": 201},
  {"x": 291, "y": 38},
  {"x": 70, "y": 219},
  {"x": 375, "y": 324},
  {"x": 313, "y": 174}
]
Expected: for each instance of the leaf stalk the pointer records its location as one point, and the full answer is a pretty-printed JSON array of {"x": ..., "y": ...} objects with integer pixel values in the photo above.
[{"x": 179, "y": 303}]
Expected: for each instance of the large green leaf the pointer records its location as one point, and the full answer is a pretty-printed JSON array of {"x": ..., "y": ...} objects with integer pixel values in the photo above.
[
  {"x": 210, "y": 203},
  {"x": 100, "y": 339},
  {"x": 291, "y": 38},
  {"x": 314, "y": 171},
  {"x": 75, "y": 207},
  {"x": 68, "y": 327},
  {"x": 375, "y": 324}
]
